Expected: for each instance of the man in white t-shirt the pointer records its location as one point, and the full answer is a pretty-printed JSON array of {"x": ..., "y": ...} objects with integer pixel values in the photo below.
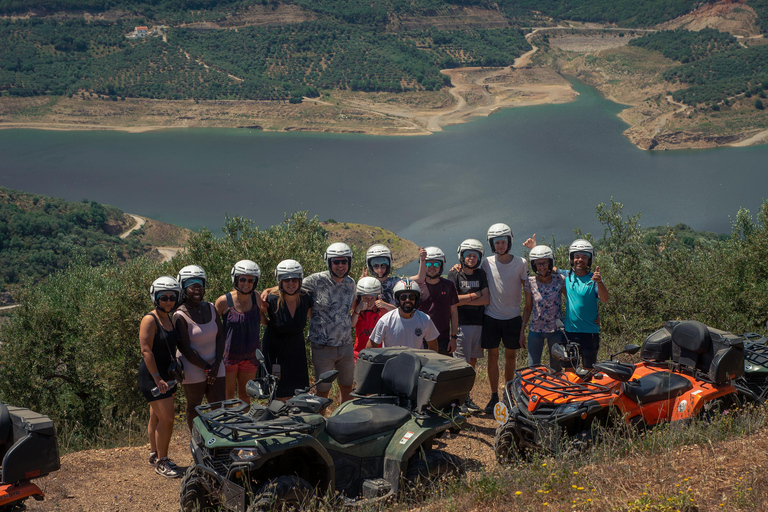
[
  {"x": 405, "y": 326},
  {"x": 502, "y": 322}
]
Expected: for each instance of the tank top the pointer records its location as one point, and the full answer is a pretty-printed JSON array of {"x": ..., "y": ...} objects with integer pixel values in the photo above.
[{"x": 241, "y": 332}]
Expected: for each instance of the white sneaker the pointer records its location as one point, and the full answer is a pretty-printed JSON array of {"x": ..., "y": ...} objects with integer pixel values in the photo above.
[{"x": 166, "y": 468}]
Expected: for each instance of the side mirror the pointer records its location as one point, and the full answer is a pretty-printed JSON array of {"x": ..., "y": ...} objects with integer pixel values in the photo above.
[
  {"x": 559, "y": 324},
  {"x": 631, "y": 349},
  {"x": 260, "y": 357},
  {"x": 559, "y": 353},
  {"x": 328, "y": 376},
  {"x": 256, "y": 389}
]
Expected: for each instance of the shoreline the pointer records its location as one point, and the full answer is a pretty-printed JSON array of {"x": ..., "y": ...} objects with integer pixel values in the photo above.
[{"x": 476, "y": 92}]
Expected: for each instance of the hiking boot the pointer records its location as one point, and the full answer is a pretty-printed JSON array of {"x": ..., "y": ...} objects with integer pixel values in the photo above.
[
  {"x": 492, "y": 403},
  {"x": 152, "y": 458},
  {"x": 471, "y": 406},
  {"x": 166, "y": 468},
  {"x": 464, "y": 410}
]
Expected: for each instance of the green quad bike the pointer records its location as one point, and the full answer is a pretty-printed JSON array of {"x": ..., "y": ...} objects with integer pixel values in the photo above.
[
  {"x": 753, "y": 386},
  {"x": 371, "y": 448}
]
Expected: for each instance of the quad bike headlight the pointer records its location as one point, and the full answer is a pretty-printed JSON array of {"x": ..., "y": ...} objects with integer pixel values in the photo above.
[
  {"x": 245, "y": 454},
  {"x": 567, "y": 409}
]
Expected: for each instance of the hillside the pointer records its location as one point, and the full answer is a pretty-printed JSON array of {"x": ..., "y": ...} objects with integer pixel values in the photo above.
[
  {"x": 40, "y": 235},
  {"x": 363, "y": 236},
  {"x": 383, "y": 67}
]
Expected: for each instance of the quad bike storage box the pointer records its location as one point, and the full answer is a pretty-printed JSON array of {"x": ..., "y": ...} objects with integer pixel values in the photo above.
[
  {"x": 28, "y": 447},
  {"x": 442, "y": 380},
  {"x": 718, "y": 353},
  {"x": 658, "y": 346}
]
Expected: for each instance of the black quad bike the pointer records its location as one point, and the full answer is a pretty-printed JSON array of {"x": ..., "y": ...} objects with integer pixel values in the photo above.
[
  {"x": 370, "y": 448},
  {"x": 28, "y": 449}
]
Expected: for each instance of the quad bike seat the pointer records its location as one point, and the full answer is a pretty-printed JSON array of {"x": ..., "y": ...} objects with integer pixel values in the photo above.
[
  {"x": 656, "y": 386},
  {"x": 401, "y": 376},
  {"x": 367, "y": 421}
]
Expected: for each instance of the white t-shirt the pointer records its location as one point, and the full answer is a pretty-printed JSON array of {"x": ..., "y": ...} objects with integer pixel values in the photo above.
[
  {"x": 505, "y": 284},
  {"x": 392, "y": 330}
]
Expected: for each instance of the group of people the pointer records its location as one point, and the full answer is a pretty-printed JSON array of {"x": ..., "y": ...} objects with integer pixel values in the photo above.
[{"x": 472, "y": 312}]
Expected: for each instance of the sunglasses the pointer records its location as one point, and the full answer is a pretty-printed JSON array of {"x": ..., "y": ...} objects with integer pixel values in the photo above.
[
  {"x": 407, "y": 296},
  {"x": 435, "y": 264},
  {"x": 250, "y": 280},
  {"x": 544, "y": 263},
  {"x": 294, "y": 280},
  {"x": 339, "y": 262},
  {"x": 379, "y": 265},
  {"x": 166, "y": 298}
]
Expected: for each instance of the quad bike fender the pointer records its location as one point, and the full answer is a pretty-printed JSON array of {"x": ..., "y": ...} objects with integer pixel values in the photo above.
[
  {"x": 690, "y": 404},
  {"x": 10, "y": 493},
  {"x": 414, "y": 434}
]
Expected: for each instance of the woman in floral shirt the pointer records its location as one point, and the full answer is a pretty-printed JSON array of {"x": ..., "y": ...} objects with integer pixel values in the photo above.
[{"x": 543, "y": 299}]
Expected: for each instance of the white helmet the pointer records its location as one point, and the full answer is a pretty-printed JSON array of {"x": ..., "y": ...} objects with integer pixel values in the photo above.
[
  {"x": 289, "y": 269},
  {"x": 542, "y": 252},
  {"x": 498, "y": 230},
  {"x": 368, "y": 286},
  {"x": 435, "y": 253},
  {"x": 164, "y": 284},
  {"x": 581, "y": 245},
  {"x": 378, "y": 251},
  {"x": 245, "y": 268},
  {"x": 470, "y": 244},
  {"x": 406, "y": 285},
  {"x": 338, "y": 250},
  {"x": 191, "y": 272}
]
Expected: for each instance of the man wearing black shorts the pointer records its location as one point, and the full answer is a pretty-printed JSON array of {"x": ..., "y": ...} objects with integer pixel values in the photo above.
[{"x": 502, "y": 322}]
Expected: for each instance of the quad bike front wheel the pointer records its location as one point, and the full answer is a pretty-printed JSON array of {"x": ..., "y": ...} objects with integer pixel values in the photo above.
[
  {"x": 283, "y": 493},
  {"x": 507, "y": 444},
  {"x": 193, "y": 495},
  {"x": 430, "y": 467}
]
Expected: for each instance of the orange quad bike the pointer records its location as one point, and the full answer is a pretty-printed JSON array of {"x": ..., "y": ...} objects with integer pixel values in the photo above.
[
  {"x": 28, "y": 449},
  {"x": 687, "y": 371}
]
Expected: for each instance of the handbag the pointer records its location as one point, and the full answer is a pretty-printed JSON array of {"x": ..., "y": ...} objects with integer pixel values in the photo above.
[{"x": 176, "y": 368}]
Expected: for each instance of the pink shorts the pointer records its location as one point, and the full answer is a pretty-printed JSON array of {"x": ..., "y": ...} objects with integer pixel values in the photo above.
[{"x": 242, "y": 367}]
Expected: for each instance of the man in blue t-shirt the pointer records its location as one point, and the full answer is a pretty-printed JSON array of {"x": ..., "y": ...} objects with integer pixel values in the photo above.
[{"x": 583, "y": 289}]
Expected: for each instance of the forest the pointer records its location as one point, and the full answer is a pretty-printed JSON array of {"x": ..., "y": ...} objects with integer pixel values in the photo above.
[
  {"x": 74, "y": 56},
  {"x": 687, "y": 46},
  {"x": 40, "y": 235}
]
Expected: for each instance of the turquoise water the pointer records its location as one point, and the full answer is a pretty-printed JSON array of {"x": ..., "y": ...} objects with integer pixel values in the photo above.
[{"x": 539, "y": 169}]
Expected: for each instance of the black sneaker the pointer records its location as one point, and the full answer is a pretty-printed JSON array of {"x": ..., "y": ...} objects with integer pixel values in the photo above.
[
  {"x": 471, "y": 406},
  {"x": 152, "y": 458},
  {"x": 492, "y": 403},
  {"x": 166, "y": 468}
]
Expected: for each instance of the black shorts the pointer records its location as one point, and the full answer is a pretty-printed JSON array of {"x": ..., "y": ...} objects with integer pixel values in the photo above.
[{"x": 496, "y": 331}]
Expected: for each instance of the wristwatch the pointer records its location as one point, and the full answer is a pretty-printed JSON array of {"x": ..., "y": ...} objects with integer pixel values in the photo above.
[{"x": 454, "y": 336}]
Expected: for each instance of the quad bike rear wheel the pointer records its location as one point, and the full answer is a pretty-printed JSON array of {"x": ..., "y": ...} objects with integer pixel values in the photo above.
[
  {"x": 283, "y": 493},
  {"x": 431, "y": 467},
  {"x": 507, "y": 444},
  {"x": 193, "y": 495}
]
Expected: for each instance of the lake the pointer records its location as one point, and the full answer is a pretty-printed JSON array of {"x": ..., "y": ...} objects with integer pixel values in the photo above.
[{"x": 539, "y": 169}]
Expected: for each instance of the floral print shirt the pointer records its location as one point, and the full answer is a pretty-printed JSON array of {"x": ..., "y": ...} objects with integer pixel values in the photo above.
[{"x": 547, "y": 300}]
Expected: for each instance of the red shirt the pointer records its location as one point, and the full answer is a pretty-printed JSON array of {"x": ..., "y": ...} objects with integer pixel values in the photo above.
[{"x": 366, "y": 321}]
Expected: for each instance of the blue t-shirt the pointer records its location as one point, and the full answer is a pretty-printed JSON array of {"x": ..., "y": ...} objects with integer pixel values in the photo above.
[{"x": 581, "y": 309}]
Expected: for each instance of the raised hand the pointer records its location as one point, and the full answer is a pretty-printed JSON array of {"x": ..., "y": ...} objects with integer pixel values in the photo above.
[{"x": 530, "y": 243}]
